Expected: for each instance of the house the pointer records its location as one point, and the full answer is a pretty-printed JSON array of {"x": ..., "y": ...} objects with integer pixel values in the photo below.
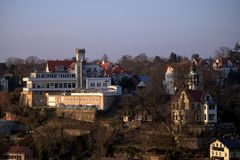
[
  {"x": 192, "y": 105},
  {"x": 224, "y": 66},
  {"x": 168, "y": 81},
  {"x": 224, "y": 149},
  {"x": 19, "y": 153}
]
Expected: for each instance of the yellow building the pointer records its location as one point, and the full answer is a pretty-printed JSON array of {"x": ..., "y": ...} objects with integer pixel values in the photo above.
[
  {"x": 98, "y": 100},
  {"x": 224, "y": 149}
]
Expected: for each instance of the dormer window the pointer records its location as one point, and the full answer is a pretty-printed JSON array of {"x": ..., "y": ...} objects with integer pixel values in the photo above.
[{"x": 59, "y": 68}]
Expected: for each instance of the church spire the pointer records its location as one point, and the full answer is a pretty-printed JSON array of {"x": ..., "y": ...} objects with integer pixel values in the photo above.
[{"x": 193, "y": 81}]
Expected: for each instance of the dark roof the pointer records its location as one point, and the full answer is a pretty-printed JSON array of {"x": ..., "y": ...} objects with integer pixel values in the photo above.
[
  {"x": 194, "y": 95},
  {"x": 231, "y": 144},
  {"x": 53, "y": 63}
]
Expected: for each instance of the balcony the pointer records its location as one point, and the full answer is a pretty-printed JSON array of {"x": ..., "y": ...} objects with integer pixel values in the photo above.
[
  {"x": 50, "y": 76},
  {"x": 218, "y": 148}
]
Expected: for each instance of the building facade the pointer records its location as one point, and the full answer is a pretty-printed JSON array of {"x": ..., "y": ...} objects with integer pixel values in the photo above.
[
  {"x": 99, "y": 99},
  {"x": 63, "y": 76},
  {"x": 224, "y": 149},
  {"x": 169, "y": 81}
]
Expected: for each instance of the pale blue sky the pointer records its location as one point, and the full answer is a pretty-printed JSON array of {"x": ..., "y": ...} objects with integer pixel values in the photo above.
[{"x": 52, "y": 29}]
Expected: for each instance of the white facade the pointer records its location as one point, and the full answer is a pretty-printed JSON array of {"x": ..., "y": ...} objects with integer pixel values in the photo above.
[
  {"x": 210, "y": 113},
  {"x": 4, "y": 83},
  {"x": 61, "y": 81},
  {"x": 210, "y": 109},
  {"x": 169, "y": 81},
  {"x": 45, "y": 81},
  {"x": 93, "y": 83}
]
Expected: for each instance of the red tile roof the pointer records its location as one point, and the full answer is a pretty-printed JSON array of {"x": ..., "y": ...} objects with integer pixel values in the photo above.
[
  {"x": 53, "y": 63},
  {"x": 20, "y": 150}
]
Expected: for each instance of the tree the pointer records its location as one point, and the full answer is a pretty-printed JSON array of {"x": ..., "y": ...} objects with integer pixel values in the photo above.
[
  {"x": 126, "y": 61},
  {"x": 195, "y": 56},
  {"x": 222, "y": 52},
  {"x": 234, "y": 54},
  {"x": 174, "y": 58}
]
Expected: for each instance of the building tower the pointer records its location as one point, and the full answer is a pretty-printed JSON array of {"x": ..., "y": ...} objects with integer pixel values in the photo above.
[
  {"x": 169, "y": 81},
  {"x": 193, "y": 79},
  {"x": 80, "y": 57}
]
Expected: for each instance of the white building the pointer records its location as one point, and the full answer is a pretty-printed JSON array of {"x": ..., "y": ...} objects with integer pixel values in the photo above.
[
  {"x": 63, "y": 76},
  {"x": 101, "y": 82},
  {"x": 210, "y": 109},
  {"x": 169, "y": 81},
  {"x": 224, "y": 149}
]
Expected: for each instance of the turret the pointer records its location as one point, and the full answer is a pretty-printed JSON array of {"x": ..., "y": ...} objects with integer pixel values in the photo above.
[
  {"x": 193, "y": 80},
  {"x": 80, "y": 57},
  {"x": 80, "y": 54}
]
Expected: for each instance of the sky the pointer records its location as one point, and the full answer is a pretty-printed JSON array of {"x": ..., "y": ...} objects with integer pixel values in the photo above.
[{"x": 53, "y": 29}]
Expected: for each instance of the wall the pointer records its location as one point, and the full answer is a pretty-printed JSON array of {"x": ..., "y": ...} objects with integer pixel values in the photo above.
[
  {"x": 99, "y": 100},
  {"x": 88, "y": 115}
]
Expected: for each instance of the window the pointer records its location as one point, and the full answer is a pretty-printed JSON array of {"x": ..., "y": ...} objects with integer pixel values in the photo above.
[
  {"x": 213, "y": 153},
  {"x": 73, "y": 85},
  {"x": 98, "y": 84},
  {"x": 211, "y": 117},
  {"x": 56, "y": 85},
  {"x": 51, "y": 85},
  {"x": 104, "y": 84},
  {"x": 60, "y": 85},
  {"x": 65, "y": 85},
  {"x": 225, "y": 154},
  {"x": 92, "y": 84},
  {"x": 33, "y": 85},
  {"x": 69, "y": 85},
  {"x": 211, "y": 107},
  {"x": 205, "y": 117}
]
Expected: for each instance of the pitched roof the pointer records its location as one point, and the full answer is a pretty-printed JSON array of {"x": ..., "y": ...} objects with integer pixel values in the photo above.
[
  {"x": 194, "y": 95},
  {"x": 20, "y": 149},
  {"x": 52, "y": 64},
  {"x": 232, "y": 144},
  {"x": 141, "y": 84}
]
